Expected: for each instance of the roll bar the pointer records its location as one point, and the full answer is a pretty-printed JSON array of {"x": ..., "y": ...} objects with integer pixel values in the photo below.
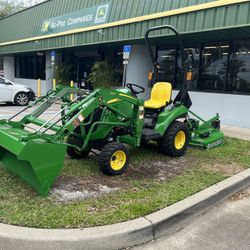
[{"x": 179, "y": 40}]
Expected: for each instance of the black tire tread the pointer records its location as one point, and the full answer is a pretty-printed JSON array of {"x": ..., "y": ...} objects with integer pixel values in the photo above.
[
  {"x": 106, "y": 154},
  {"x": 15, "y": 99},
  {"x": 166, "y": 144},
  {"x": 72, "y": 153}
]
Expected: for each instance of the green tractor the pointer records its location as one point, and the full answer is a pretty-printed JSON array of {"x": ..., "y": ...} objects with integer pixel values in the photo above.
[{"x": 103, "y": 120}]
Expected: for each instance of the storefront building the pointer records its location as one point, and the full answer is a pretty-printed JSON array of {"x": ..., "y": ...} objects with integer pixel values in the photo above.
[{"x": 216, "y": 35}]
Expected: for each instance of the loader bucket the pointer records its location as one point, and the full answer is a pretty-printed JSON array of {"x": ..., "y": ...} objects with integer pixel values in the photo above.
[{"x": 37, "y": 162}]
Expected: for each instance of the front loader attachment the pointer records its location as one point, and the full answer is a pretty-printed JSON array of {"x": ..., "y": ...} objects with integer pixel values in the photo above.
[
  {"x": 38, "y": 162},
  {"x": 33, "y": 146}
]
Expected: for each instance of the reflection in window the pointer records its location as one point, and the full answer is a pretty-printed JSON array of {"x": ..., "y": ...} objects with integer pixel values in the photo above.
[
  {"x": 166, "y": 60},
  {"x": 239, "y": 68},
  {"x": 214, "y": 67},
  {"x": 1, "y": 63},
  {"x": 191, "y": 63},
  {"x": 30, "y": 66}
]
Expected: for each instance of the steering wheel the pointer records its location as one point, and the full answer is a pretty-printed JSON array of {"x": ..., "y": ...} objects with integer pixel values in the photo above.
[
  {"x": 50, "y": 93},
  {"x": 132, "y": 86}
]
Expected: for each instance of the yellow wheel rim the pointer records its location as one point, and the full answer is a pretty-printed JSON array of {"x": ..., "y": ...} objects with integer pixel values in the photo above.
[
  {"x": 180, "y": 140},
  {"x": 77, "y": 152},
  {"x": 118, "y": 160}
]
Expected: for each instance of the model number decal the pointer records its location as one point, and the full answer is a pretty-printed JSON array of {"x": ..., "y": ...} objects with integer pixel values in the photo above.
[{"x": 214, "y": 144}]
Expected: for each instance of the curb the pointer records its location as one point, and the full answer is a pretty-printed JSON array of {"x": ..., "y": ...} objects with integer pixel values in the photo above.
[{"x": 125, "y": 234}]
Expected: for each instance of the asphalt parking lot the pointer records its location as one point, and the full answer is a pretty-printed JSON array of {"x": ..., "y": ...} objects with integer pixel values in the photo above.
[{"x": 7, "y": 111}]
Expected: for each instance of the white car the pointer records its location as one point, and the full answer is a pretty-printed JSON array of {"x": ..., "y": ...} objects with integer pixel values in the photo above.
[{"x": 15, "y": 93}]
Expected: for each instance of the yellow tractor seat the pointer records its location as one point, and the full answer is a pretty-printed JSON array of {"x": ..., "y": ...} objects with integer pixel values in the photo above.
[{"x": 160, "y": 95}]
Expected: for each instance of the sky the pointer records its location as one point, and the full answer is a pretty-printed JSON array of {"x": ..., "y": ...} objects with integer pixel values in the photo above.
[{"x": 30, "y": 2}]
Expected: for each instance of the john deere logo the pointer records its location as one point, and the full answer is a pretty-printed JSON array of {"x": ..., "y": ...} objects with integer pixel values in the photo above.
[
  {"x": 101, "y": 14},
  {"x": 45, "y": 27}
]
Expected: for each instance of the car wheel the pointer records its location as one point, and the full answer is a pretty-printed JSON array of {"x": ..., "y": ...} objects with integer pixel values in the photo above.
[{"x": 21, "y": 99}]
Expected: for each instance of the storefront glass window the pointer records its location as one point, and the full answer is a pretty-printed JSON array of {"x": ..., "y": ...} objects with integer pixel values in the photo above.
[
  {"x": 1, "y": 63},
  {"x": 239, "y": 68},
  {"x": 222, "y": 67},
  {"x": 30, "y": 67},
  {"x": 191, "y": 64},
  {"x": 166, "y": 60},
  {"x": 214, "y": 67}
]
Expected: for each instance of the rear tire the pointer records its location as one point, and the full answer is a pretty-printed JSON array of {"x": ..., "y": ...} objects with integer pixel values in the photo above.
[
  {"x": 21, "y": 99},
  {"x": 175, "y": 140},
  {"x": 114, "y": 159}
]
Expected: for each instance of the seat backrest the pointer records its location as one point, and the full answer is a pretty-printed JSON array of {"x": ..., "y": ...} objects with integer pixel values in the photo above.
[{"x": 162, "y": 92}]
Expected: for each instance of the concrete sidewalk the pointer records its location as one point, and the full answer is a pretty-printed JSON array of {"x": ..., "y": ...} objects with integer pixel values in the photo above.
[
  {"x": 226, "y": 226},
  {"x": 236, "y": 132}
]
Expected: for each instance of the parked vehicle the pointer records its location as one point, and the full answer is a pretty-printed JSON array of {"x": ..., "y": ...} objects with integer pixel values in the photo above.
[
  {"x": 15, "y": 93},
  {"x": 103, "y": 120}
]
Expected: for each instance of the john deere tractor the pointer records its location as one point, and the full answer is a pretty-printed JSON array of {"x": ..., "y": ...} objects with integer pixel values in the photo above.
[{"x": 104, "y": 120}]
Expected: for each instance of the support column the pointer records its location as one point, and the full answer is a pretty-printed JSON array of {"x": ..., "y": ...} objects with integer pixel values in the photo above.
[
  {"x": 9, "y": 67},
  {"x": 49, "y": 80},
  {"x": 138, "y": 68}
]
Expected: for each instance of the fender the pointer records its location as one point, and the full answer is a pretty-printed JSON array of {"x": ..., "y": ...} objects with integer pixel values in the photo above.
[{"x": 167, "y": 117}]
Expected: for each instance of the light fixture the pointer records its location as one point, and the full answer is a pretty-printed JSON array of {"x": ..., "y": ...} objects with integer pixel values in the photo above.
[
  {"x": 101, "y": 32},
  {"x": 40, "y": 54},
  {"x": 212, "y": 47}
]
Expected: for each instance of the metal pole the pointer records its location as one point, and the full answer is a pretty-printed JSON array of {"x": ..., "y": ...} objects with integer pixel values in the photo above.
[
  {"x": 124, "y": 79},
  {"x": 39, "y": 88}
]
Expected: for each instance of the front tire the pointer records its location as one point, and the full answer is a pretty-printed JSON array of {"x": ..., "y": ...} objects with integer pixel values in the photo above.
[
  {"x": 76, "y": 154},
  {"x": 21, "y": 99},
  {"x": 175, "y": 140},
  {"x": 114, "y": 159},
  {"x": 73, "y": 152}
]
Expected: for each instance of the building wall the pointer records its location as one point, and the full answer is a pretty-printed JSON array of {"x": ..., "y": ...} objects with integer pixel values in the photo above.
[
  {"x": 233, "y": 109},
  {"x": 9, "y": 67},
  {"x": 9, "y": 73},
  {"x": 22, "y": 27},
  {"x": 196, "y": 26}
]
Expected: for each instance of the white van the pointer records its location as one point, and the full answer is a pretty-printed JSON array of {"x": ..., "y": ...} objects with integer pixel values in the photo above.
[{"x": 15, "y": 93}]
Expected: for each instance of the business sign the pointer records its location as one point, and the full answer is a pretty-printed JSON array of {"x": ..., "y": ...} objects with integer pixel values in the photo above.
[{"x": 79, "y": 19}]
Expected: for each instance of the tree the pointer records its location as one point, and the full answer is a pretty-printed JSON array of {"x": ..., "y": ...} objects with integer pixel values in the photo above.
[
  {"x": 104, "y": 74},
  {"x": 8, "y": 7}
]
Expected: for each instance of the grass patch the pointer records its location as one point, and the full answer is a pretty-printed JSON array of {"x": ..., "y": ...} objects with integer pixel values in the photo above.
[{"x": 141, "y": 190}]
